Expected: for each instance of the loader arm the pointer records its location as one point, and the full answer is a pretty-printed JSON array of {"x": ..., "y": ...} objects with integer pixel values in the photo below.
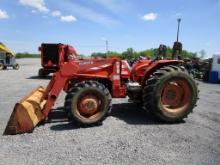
[{"x": 56, "y": 85}]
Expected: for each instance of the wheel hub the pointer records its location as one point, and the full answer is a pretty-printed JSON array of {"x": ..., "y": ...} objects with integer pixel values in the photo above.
[
  {"x": 88, "y": 105},
  {"x": 174, "y": 95},
  {"x": 170, "y": 95}
]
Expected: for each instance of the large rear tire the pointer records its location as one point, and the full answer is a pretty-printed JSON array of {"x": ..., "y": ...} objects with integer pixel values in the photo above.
[
  {"x": 88, "y": 102},
  {"x": 170, "y": 94}
]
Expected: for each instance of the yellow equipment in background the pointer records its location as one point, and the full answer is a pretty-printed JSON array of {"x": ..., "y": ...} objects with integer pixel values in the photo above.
[
  {"x": 7, "y": 58},
  {"x": 3, "y": 48}
]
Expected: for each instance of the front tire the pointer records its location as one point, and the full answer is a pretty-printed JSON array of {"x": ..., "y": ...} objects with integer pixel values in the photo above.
[
  {"x": 88, "y": 102},
  {"x": 170, "y": 94}
]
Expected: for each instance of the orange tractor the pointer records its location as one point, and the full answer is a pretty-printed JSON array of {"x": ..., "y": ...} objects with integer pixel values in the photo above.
[{"x": 164, "y": 87}]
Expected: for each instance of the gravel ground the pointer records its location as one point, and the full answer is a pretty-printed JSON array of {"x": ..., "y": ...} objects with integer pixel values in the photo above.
[{"x": 127, "y": 136}]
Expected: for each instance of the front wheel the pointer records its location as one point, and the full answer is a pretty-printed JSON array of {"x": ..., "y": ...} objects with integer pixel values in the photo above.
[
  {"x": 171, "y": 94},
  {"x": 89, "y": 102}
]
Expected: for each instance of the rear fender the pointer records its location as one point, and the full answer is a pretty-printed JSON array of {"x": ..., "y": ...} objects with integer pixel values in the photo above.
[{"x": 156, "y": 65}]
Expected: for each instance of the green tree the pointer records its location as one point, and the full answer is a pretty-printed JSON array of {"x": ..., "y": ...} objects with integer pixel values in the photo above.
[{"x": 130, "y": 53}]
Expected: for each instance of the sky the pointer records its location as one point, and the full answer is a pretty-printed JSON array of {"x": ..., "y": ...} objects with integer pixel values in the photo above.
[{"x": 87, "y": 24}]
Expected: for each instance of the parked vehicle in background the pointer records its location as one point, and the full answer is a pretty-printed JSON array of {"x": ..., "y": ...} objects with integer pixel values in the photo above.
[
  {"x": 216, "y": 64},
  {"x": 212, "y": 69},
  {"x": 52, "y": 55},
  {"x": 7, "y": 58}
]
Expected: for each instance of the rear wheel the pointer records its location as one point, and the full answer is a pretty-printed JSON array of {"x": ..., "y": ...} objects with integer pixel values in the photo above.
[
  {"x": 42, "y": 73},
  {"x": 170, "y": 93},
  {"x": 88, "y": 102},
  {"x": 1, "y": 66},
  {"x": 16, "y": 66}
]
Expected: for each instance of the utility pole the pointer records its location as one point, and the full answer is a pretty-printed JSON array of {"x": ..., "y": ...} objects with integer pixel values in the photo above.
[
  {"x": 106, "y": 46},
  {"x": 179, "y": 20}
]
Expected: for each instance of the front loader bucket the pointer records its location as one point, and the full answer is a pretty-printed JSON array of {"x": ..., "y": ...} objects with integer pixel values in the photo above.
[{"x": 27, "y": 113}]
